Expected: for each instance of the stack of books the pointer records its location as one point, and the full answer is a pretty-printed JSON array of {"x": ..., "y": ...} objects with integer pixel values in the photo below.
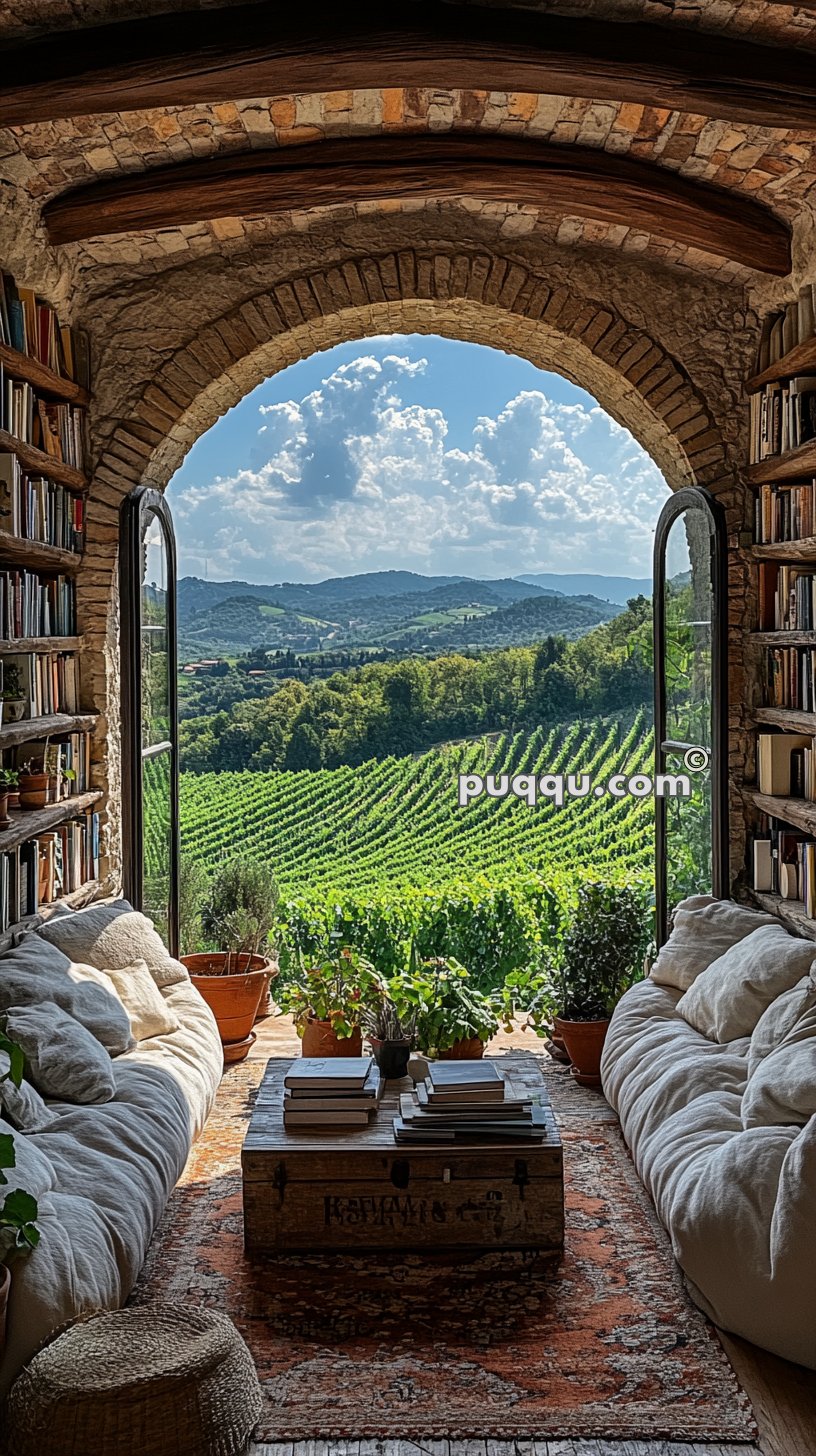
[
  {"x": 469, "y": 1102},
  {"x": 331, "y": 1092}
]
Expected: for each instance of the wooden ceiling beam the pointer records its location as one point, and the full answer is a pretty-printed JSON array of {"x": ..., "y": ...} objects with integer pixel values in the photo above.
[
  {"x": 212, "y": 55},
  {"x": 566, "y": 181}
]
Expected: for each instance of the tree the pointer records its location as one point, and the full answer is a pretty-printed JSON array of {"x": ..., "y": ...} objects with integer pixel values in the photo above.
[{"x": 304, "y": 751}]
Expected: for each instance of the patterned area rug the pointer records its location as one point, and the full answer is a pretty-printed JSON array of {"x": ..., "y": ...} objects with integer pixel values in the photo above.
[{"x": 606, "y": 1344}]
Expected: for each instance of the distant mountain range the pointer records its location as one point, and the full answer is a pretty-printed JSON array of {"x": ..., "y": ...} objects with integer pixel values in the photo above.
[
  {"x": 609, "y": 588},
  {"x": 402, "y": 610}
]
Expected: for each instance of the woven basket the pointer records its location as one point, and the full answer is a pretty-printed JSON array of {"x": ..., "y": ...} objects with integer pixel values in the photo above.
[{"x": 153, "y": 1380}]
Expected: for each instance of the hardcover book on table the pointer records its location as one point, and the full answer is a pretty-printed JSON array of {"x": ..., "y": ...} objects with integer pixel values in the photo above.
[{"x": 320, "y": 1073}]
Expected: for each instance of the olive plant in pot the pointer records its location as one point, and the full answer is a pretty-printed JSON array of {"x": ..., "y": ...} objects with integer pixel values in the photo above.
[
  {"x": 600, "y": 956},
  {"x": 237, "y": 915},
  {"x": 326, "y": 999},
  {"x": 454, "y": 1020},
  {"x": 18, "y": 1213}
]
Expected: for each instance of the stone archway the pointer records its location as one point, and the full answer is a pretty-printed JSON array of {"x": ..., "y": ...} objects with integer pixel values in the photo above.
[{"x": 468, "y": 295}]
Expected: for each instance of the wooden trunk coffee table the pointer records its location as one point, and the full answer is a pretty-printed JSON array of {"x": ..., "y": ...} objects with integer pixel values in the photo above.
[{"x": 356, "y": 1189}]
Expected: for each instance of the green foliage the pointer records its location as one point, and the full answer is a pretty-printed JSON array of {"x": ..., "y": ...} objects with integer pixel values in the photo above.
[
  {"x": 193, "y": 886},
  {"x": 601, "y": 953},
  {"x": 12, "y": 689},
  {"x": 18, "y": 1214},
  {"x": 445, "y": 1005},
  {"x": 9, "y": 779},
  {"x": 402, "y": 707},
  {"x": 239, "y": 909},
  {"x": 335, "y": 988}
]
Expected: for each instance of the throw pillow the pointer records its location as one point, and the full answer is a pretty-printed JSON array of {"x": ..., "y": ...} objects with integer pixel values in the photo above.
[
  {"x": 134, "y": 986},
  {"x": 726, "y": 1000},
  {"x": 114, "y": 936},
  {"x": 36, "y": 971},
  {"x": 703, "y": 930},
  {"x": 782, "y": 1091},
  {"x": 63, "y": 1059},
  {"x": 780, "y": 1019},
  {"x": 23, "y": 1105}
]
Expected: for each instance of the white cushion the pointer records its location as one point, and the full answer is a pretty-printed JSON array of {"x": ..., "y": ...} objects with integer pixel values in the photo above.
[
  {"x": 113, "y": 937},
  {"x": 703, "y": 930},
  {"x": 23, "y": 1105},
  {"x": 782, "y": 1091},
  {"x": 63, "y": 1059},
  {"x": 726, "y": 1000},
  {"x": 35, "y": 971},
  {"x": 779, "y": 1020},
  {"x": 147, "y": 1009}
]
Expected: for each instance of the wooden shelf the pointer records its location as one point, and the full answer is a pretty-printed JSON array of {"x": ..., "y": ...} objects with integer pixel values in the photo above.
[
  {"x": 783, "y": 639},
  {"x": 801, "y": 360},
  {"x": 804, "y": 550},
  {"x": 12, "y": 734},
  {"x": 36, "y": 555},
  {"x": 41, "y": 378},
  {"x": 791, "y": 718},
  {"x": 40, "y": 644},
  {"x": 790, "y": 466},
  {"x": 29, "y": 823},
  {"x": 37, "y": 460},
  {"x": 790, "y": 912},
  {"x": 801, "y": 812}
]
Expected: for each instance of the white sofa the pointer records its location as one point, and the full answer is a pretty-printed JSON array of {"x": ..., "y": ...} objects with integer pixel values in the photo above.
[
  {"x": 102, "y": 1173},
  {"x": 723, "y": 1133}
]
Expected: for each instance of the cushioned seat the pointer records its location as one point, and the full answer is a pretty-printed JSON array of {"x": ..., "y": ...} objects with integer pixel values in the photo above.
[
  {"x": 106, "y": 1170},
  {"x": 739, "y": 1202}
]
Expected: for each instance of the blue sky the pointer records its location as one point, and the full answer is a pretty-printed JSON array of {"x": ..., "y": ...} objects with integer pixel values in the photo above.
[{"x": 418, "y": 453}]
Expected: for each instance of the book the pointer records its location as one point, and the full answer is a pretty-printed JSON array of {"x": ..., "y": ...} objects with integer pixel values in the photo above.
[
  {"x": 413, "y": 1109},
  {"x": 464, "y": 1077},
  {"x": 774, "y": 752},
  {"x": 295, "y": 1117},
  {"x": 324, "y": 1072},
  {"x": 510, "y": 1105},
  {"x": 312, "y": 1099},
  {"x": 530, "y": 1129}
]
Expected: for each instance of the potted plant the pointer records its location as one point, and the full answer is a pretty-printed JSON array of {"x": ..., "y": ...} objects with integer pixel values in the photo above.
[
  {"x": 600, "y": 956},
  {"x": 237, "y": 914},
  {"x": 34, "y": 784},
  {"x": 327, "y": 998},
  {"x": 18, "y": 1214},
  {"x": 453, "y": 1018},
  {"x": 390, "y": 1024},
  {"x": 11, "y": 696},
  {"x": 8, "y": 782}
]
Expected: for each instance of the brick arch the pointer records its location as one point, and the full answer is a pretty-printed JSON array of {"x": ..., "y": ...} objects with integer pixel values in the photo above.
[{"x": 471, "y": 296}]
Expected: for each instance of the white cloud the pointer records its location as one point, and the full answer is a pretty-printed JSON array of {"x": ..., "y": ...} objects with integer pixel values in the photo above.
[{"x": 353, "y": 478}]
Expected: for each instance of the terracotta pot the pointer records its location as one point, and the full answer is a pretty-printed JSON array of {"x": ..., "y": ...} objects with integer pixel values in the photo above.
[
  {"x": 467, "y": 1049},
  {"x": 584, "y": 1041},
  {"x": 14, "y": 799},
  {"x": 319, "y": 1040},
  {"x": 4, "y": 818},
  {"x": 232, "y": 997},
  {"x": 34, "y": 790},
  {"x": 5, "y": 1287},
  {"x": 391, "y": 1056}
]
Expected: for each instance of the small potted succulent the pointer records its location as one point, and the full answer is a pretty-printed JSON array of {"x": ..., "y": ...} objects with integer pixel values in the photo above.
[
  {"x": 18, "y": 1213},
  {"x": 237, "y": 914},
  {"x": 12, "y": 702},
  {"x": 390, "y": 1025},
  {"x": 600, "y": 956},
  {"x": 327, "y": 999},
  {"x": 454, "y": 1020}
]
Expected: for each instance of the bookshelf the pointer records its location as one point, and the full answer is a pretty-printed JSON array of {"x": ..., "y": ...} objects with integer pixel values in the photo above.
[
  {"x": 47, "y": 666},
  {"x": 791, "y": 913}
]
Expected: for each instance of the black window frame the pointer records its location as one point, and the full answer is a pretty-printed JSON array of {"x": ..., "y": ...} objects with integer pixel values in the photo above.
[
  {"x": 696, "y": 498},
  {"x": 141, "y": 507}
]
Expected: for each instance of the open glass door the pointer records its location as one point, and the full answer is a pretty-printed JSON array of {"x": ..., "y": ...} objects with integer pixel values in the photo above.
[
  {"x": 150, "y": 710},
  {"x": 691, "y": 728}
]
